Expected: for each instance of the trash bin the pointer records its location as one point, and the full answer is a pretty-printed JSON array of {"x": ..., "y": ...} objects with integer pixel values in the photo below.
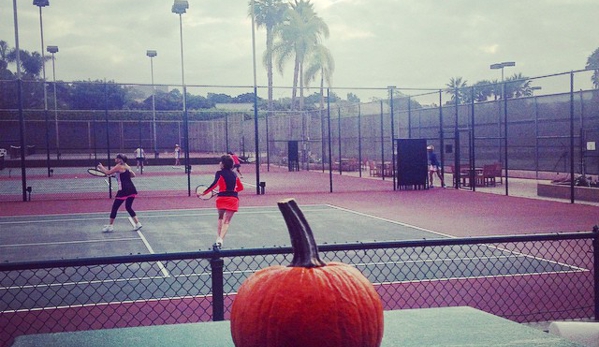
[
  {"x": 15, "y": 152},
  {"x": 2, "y": 161},
  {"x": 262, "y": 187}
]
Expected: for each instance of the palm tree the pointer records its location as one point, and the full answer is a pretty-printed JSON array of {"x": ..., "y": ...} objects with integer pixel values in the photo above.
[
  {"x": 517, "y": 86},
  {"x": 320, "y": 63},
  {"x": 299, "y": 33},
  {"x": 31, "y": 63},
  {"x": 268, "y": 14},
  {"x": 5, "y": 74},
  {"x": 3, "y": 55},
  {"x": 457, "y": 89},
  {"x": 483, "y": 90},
  {"x": 593, "y": 63}
]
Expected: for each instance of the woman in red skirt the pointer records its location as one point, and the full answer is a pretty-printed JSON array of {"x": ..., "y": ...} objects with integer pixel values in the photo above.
[{"x": 227, "y": 201}]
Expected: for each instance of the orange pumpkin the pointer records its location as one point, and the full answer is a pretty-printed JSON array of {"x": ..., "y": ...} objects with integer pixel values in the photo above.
[{"x": 309, "y": 303}]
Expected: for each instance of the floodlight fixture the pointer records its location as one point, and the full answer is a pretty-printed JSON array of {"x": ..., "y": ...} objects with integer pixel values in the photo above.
[
  {"x": 180, "y": 6},
  {"x": 41, "y": 3},
  {"x": 498, "y": 66},
  {"x": 151, "y": 53},
  {"x": 52, "y": 49}
]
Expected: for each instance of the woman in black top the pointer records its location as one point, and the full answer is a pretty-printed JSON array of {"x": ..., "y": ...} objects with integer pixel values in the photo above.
[{"x": 127, "y": 191}]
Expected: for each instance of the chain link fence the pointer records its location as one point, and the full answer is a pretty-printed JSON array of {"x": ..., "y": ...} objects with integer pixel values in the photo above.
[
  {"x": 552, "y": 135},
  {"x": 522, "y": 278}
]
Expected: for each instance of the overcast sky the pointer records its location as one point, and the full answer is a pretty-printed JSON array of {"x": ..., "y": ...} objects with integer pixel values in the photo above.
[{"x": 375, "y": 43}]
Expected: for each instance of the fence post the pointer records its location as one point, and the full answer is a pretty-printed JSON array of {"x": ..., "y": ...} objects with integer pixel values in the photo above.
[
  {"x": 218, "y": 301},
  {"x": 596, "y": 270}
]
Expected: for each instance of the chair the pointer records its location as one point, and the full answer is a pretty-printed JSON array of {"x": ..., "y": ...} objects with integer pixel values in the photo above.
[
  {"x": 374, "y": 169},
  {"x": 486, "y": 177},
  {"x": 499, "y": 172},
  {"x": 464, "y": 175}
]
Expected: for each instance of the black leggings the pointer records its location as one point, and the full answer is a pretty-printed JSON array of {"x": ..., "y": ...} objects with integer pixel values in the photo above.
[{"x": 117, "y": 204}]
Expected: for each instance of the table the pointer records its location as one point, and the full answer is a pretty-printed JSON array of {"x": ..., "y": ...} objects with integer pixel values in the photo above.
[{"x": 449, "y": 326}]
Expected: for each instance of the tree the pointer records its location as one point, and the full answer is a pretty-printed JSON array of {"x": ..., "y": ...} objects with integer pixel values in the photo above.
[
  {"x": 517, "y": 86},
  {"x": 457, "y": 89},
  {"x": 299, "y": 33},
  {"x": 483, "y": 90},
  {"x": 351, "y": 97},
  {"x": 246, "y": 98},
  {"x": 219, "y": 98},
  {"x": 593, "y": 64},
  {"x": 321, "y": 64},
  {"x": 4, "y": 50},
  {"x": 31, "y": 63},
  {"x": 269, "y": 14},
  {"x": 196, "y": 102},
  {"x": 96, "y": 95},
  {"x": 171, "y": 101}
]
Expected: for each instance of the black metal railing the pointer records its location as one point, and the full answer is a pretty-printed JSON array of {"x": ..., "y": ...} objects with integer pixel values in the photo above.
[{"x": 522, "y": 278}]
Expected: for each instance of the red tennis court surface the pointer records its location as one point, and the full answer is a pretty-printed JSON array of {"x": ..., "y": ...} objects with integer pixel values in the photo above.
[{"x": 449, "y": 211}]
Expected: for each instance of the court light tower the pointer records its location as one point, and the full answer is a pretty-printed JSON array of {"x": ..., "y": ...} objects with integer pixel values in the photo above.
[
  {"x": 180, "y": 7},
  {"x": 40, "y": 4},
  {"x": 53, "y": 50},
  {"x": 502, "y": 66},
  {"x": 152, "y": 54}
]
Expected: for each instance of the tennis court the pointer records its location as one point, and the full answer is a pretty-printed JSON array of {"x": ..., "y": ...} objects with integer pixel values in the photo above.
[
  {"x": 101, "y": 280},
  {"x": 52, "y": 237}
]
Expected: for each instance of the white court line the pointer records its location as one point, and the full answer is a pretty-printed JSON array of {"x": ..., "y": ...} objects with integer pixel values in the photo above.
[
  {"x": 66, "y": 242},
  {"x": 478, "y": 277},
  {"x": 453, "y": 237},
  {"x": 151, "y": 250},
  {"x": 143, "y": 301},
  {"x": 390, "y": 221},
  {"x": 152, "y": 214}
]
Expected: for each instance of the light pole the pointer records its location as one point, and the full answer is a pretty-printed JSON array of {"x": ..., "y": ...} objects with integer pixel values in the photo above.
[
  {"x": 53, "y": 50},
  {"x": 40, "y": 4},
  {"x": 501, "y": 66},
  {"x": 152, "y": 54},
  {"x": 505, "y": 127},
  {"x": 180, "y": 7},
  {"x": 256, "y": 128}
]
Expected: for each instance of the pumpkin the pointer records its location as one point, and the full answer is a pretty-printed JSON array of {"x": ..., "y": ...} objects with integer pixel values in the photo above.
[{"x": 308, "y": 303}]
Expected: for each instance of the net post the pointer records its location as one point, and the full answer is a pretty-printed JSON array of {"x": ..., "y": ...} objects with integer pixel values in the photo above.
[
  {"x": 596, "y": 270},
  {"x": 218, "y": 302}
]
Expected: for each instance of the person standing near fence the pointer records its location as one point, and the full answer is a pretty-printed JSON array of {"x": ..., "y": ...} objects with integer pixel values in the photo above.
[
  {"x": 177, "y": 155},
  {"x": 236, "y": 163},
  {"x": 227, "y": 200},
  {"x": 434, "y": 167},
  {"x": 126, "y": 193},
  {"x": 140, "y": 157}
]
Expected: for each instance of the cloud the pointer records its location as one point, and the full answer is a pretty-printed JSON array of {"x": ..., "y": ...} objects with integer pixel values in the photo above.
[{"x": 491, "y": 49}]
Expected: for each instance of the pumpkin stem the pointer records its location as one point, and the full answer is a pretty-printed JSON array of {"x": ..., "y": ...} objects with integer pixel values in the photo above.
[{"x": 305, "y": 251}]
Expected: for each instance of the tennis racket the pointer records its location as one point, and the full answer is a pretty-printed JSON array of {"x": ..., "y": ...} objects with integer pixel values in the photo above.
[
  {"x": 201, "y": 188},
  {"x": 96, "y": 172}
]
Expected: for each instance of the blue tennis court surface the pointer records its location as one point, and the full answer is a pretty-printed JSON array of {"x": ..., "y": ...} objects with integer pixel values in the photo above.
[
  {"x": 78, "y": 236},
  {"x": 29, "y": 238}
]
